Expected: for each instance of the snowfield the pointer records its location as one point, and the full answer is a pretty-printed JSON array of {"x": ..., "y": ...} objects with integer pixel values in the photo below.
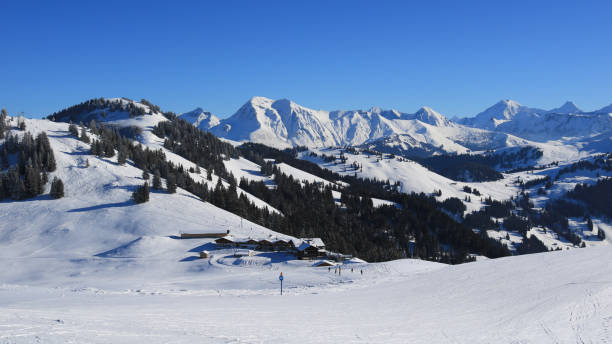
[{"x": 560, "y": 297}]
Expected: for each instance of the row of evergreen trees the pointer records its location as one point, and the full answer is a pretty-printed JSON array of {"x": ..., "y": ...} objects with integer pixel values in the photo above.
[{"x": 34, "y": 160}]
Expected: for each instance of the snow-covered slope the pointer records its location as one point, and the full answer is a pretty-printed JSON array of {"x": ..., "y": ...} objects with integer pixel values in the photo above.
[
  {"x": 97, "y": 213},
  {"x": 560, "y": 297}
]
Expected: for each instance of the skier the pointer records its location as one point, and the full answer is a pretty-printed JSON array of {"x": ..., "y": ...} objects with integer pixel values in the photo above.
[{"x": 361, "y": 272}]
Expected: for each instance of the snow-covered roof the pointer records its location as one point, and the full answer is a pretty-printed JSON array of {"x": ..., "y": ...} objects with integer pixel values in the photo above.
[
  {"x": 324, "y": 263},
  {"x": 316, "y": 242}
]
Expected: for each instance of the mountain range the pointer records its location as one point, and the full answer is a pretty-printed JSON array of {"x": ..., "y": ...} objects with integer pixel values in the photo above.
[{"x": 283, "y": 123}]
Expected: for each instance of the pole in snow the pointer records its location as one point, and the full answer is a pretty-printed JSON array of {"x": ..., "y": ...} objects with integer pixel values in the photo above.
[{"x": 281, "y": 280}]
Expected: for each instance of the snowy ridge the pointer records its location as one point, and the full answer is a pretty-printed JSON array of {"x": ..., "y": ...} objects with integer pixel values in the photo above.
[
  {"x": 283, "y": 124},
  {"x": 566, "y": 122}
]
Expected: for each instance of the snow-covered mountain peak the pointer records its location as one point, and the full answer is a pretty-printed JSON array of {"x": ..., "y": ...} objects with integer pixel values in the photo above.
[
  {"x": 504, "y": 109},
  {"x": 567, "y": 108},
  {"x": 500, "y": 112},
  {"x": 200, "y": 118},
  {"x": 260, "y": 101},
  {"x": 427, "y": 115},
  {"x": 375, "y": 109}
]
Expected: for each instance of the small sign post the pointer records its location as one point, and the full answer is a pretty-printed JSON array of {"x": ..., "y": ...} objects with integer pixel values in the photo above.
[{"x": 281, "y": 280}]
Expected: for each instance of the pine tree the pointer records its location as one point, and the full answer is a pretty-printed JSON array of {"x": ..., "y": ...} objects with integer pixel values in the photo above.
[
  {"x": 122, "y": 156},
  {"x": 145, "y": 175},
  {"x": 51, "y": 165},
  {"x": 171, "y": 183},
  {"x": 74, "y": 131},
  {"x": 84, "y": 136},
  {"x": 57, "y": 188},
  {"x": 141, "y": 194},
  {"x": 32, "y": 181},
  {"x": 93, "y": 127},
  {"x": 157, "y": 184}
]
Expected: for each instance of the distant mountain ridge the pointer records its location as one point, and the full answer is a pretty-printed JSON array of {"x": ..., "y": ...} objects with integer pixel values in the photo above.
[{"x": 284, "y": 123}]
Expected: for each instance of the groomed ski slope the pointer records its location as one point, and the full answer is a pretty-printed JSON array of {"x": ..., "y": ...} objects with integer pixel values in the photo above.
[{"x": 559, "y": 297}]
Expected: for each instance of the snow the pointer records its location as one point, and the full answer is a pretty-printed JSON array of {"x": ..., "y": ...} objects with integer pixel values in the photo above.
[
  {"x": 545, "y": 298},
  {"x": 413, "y": 177}
]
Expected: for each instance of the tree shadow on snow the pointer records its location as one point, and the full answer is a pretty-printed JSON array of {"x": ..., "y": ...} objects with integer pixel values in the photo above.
[
  {"x": 43, "y": 197},
  {"x": 189, "y": 259},
  {"x": 117, "y": 251},
  {"x": 206, "y": 247},
  {"x": 102, "y": 206},
  {"x": 277, "y": 257}
]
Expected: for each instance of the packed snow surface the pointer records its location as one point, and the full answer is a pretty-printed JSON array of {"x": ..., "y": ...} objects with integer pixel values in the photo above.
[{"x": 560, "y": 297}]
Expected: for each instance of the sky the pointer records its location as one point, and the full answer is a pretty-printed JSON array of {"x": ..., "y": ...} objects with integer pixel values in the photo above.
[{"x": 458, "y": 57}]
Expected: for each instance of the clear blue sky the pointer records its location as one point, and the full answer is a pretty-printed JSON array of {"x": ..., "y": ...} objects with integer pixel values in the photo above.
[{"x": 458, "y": 57}]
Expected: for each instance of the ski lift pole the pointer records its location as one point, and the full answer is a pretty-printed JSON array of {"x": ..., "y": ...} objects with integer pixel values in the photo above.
[{"x": 281, "y": 281}]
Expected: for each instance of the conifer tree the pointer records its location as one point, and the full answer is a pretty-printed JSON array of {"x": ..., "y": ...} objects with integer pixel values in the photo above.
[
  {"x": 74, "y": 131},
  {"x": 141, "y": 194},
  {"x": 93, "y": 127},
  {"x": 84, "y": 136},
  {"x": 171, "y": 183},
  {"x": 122, "y": 156},
  {"x": 51, "y": 165},
  {"x": 157, "y": 184},
  {"x": 145, "y": 175},
  {"x": 57, "y": 188}
]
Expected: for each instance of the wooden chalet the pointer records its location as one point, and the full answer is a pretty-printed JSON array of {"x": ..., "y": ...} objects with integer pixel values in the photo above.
[
  {"x": 283, "y": 245},
  {"x": 226, "y": 241},
  {"x": 308, "y": 251},
  {"x": 265, "y": 245},
  {"x": 248, "y": 243}
]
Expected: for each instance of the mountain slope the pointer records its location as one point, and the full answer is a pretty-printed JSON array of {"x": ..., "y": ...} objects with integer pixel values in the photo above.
[{"x": 97, "y": 213}]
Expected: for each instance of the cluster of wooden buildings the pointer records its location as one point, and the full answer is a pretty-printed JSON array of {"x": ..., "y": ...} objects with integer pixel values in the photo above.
[{"x": 306, "y": 248}]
